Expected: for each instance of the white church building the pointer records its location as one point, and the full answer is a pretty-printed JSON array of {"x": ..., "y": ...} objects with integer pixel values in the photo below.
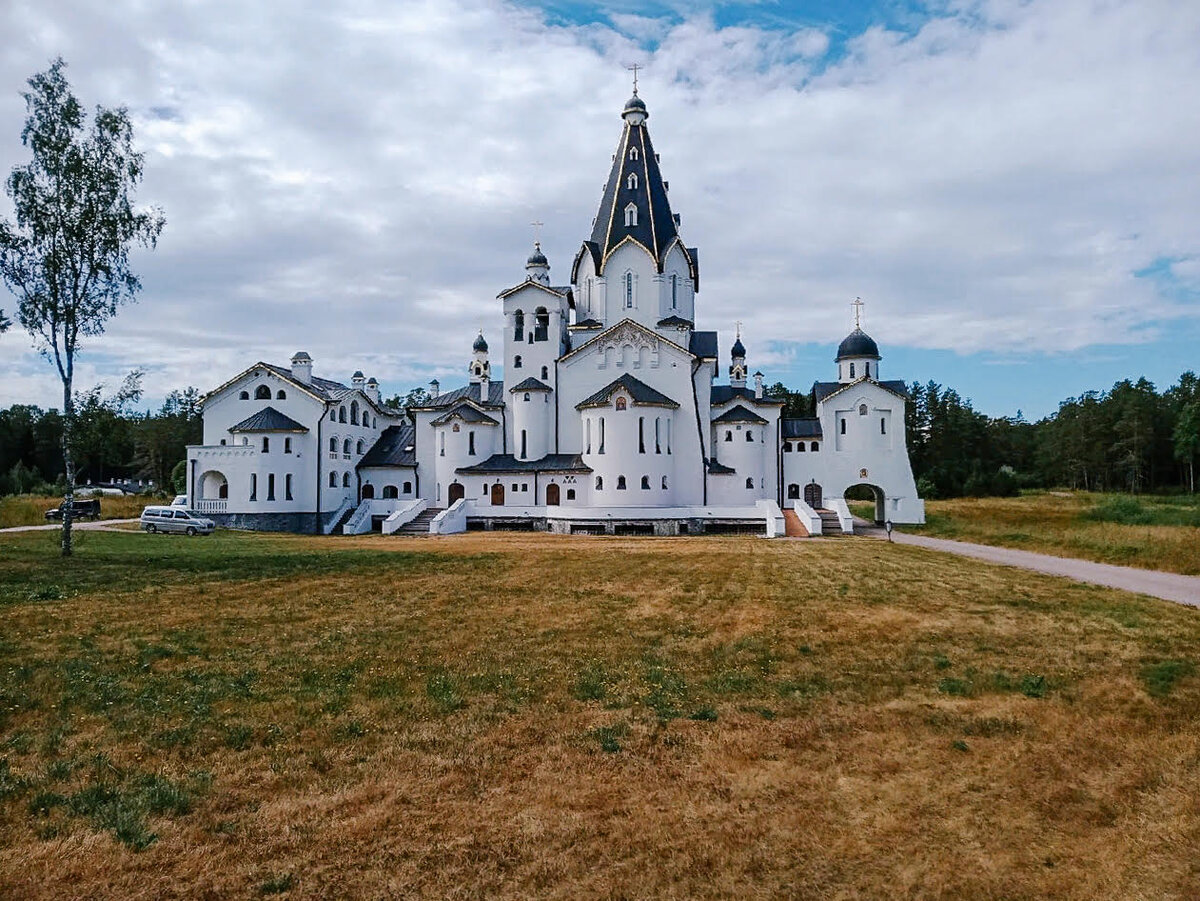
[{"x": 610, "y": 417}]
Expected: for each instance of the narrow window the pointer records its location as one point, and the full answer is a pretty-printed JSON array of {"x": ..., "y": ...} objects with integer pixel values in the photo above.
[
  {"x": 645, "y": 483},
  {"x": 358, "y": 448},
  {"x": 281, "y": 394},
  {"x": 541, "y": 325},
  {"x": 749, "y": 483},
  {"x": 518, "y": 330},
  {"x": 517, "y": 361},
  {"x": 800, "y": 446},
  {"x": 442, "y": 445},
  {"x": 851, "y": 370},
  {"x": 346, "y": 448},
  {"x": 633, "y": 153},
  {"x": 333, "y": 480},
  {"x": 570, "y": 494},
  {"x": 524, "y": 444},
  {"x": 287, "y": 445},
  {"x": 346, "y": 480},
  {"x": 599, "y": 483},
  {"x": 862, "y": 409},
  {"x": 629, "y": 290},
  {"x": 668, "y": 436},
  {"x": 601, "y": 435},
  {"x": 266, "y": 445},
  {"x": 587, "y": 430},
  {"x": 341, "y": 414},
  {"x": 354, "y": 412},
  {"x": 882, "y": 425},
  {"x": 814, "y": 447},
  {"x": 843, "y": 425},
  {"x": 641, "y": 434},
  {"x": 749, "y": 434},
  {"x": 867, "y": 367},
  {"x": 471, "y": 444},
  {"x": 271, "y": 486},
  {"x": 287, "y": 487},
  {"x": 253, "y": 486},
  {"x": 630, "y": 216},
  {"x": 664, "y": 483},
  {"x": 657, "y": 432},
  {"x": 545, "y": 372},
  {"x": 620, "y": 483},
  {"x": 333, "y": 446},
  {"x": 728, "y": 435},
  {"x": 787, "y": 447},
  {"x": 674, "y": 291},
  {"x": 631, "y": 182},
  {"x": 407, "y": 488}
]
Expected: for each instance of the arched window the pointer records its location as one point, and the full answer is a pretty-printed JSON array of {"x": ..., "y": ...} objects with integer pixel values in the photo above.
[
  {"x": 631, "y": 215},
  {"x": 728, "y": 435},
  {"x": 862, "y": 409},
  {"x": 622, "y": 403},
  {"x": 262, "y": 392},
  {"x": 354, "y": 412},
  {"x": 601, "y": 436},
  {"x": 358, "y": 448},
  {"x": 281, "y": 394},
  {"x": 526, "y": 397},
  {"x": 645, "y": 483},
  {"x": 620, "y": 483},
  {"x": 333, "y": 445},
  {"x": 749, "y": 483},
  {"x": 545, "y": 372},
  {"x": 599, "y": 483},
  {"x": 749, "y": 434},
  {"x": 641, "y": 434},
  {"x": 793, "y": 492},
  {"x": 341, "y": 414},
  {"x": 408, "y": 487},
  {"x": 787, "y": 447},
  {"x": 389, "y": 492},
  {"x": 333, "y": 480},
  {"x": 570, "y": 494},
  {"x": 851, "y": 370},
  {"x": 882, "y": 425},
  {"x": 346, "y": 480},
  {"x": 287, "y": 445},
  {"x": 631, "y": 182},
  {"x": 628, "y": 279},
  {"x": 814, "y": 447},
  {"x": 674, "y": 291},
  {"x": 368, "y": 491},
  {"x": 587, "y": 431},
  {"x": 266, "y": 445},
  {"x": 800, "y": 446},
  {"x": 245, "y": 395},
  {"x": 442, "y": 444},
  {"x": 867, "y": 367},
  {"x": 524, "y": 443},
  {"x": 843, "y": 425},
  {"x": 541, "y": 324},
  {"x": 346, "y": 448},
  {"x": 664, "y": 483},
  {"x": 518, "y": 329},
  {"x": 633, "y": 153},
  {"x": 517, "y": 362}
]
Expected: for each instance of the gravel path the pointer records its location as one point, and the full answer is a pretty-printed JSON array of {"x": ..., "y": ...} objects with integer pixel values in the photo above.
[
  {"x": 1168, "y": 586},
  {"x": 99, "y": 524}
]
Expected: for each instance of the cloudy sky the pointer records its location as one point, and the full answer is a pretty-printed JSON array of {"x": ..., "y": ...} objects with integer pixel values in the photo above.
[{"x": 1012, "y": 187}]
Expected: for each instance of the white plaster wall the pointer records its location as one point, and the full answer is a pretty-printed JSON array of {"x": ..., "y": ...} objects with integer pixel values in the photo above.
[
  {"x": 676, "y": 262},
  {"x": 646, "y": 292},
  {"x": 533, "y": 412},
  {"x": 457, "y": 454}
]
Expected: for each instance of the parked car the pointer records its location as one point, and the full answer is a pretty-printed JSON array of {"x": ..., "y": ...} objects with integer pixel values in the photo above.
[
  {"x": 180, "y": 501},
  {"x": 79, "y": 510},
  {"x": 175, "y": 519}
]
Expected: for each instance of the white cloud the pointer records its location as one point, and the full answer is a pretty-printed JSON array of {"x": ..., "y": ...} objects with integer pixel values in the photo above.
[{"x": 356, "y": 180}]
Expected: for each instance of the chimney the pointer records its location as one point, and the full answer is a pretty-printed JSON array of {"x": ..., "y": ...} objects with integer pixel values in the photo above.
[
  {"x": 358, "y": 381},
  {"x": 302, "y": 367},
  {"x": 373, "y": 389},
  {"x": 758, "y": 388},
  {"x": 434, "y": 385}
]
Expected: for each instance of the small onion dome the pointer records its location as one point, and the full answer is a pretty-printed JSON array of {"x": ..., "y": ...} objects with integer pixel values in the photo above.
[
  {"x": 739, "y": 349},
  {"x": 480, "y": 346},
  {"x": 300, "y": 355},
  {"x": 635, "y": 104},
  {"x": 858, "y": 344},
  {"x": 358, "y": 374},
  {"x": 537, "y": 258},
  {"x": 371, "y": 383}
]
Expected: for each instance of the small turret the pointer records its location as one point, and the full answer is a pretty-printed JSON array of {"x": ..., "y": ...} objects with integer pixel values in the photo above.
[
  {"x": 538, "y": 266},
  {"x": 858, "y": 354},
  {"x": 434, "y": 388},
  {"x": 737, "y": 368},
  {"x": 758, "y": 386},
  {"x": 479, "y": 369},
  {"x": 302, "y": 367},
  {"x": 359, "y": 381},
  {"x": 373, "y": 389}
]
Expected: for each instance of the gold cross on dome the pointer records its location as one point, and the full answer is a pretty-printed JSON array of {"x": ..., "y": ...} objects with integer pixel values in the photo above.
[
  {"x": 633, "y": 67},
  {"x": 739, "y": 328},
  {"x": 858, "y": 305},
  {"x": 537, "y": 231}
]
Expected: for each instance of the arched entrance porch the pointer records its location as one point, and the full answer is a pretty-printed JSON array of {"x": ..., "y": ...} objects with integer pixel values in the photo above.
[{"x": 864, "y": 491}]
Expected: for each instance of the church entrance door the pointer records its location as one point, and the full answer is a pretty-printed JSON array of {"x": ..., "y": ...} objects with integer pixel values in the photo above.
[
  {"x": 497, "y": 495},
  {"x": 812, "y": 495},
  {"x": 552, "y": 495},
  {"x": 457, "y": 490}
]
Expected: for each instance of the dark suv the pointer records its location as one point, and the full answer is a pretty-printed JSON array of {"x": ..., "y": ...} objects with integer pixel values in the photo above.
[{"x": 79, "y": 510}]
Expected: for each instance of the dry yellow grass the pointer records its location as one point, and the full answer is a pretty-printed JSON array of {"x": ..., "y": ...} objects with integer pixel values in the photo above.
[
  {"x": 30, "y": 510},
  {"x": 538, "y": 716}
]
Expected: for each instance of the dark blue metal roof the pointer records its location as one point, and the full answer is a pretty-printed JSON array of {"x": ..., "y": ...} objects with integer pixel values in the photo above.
[
  {"x": 638, "y": 390},
  {"x": 530, "y": 384},
  {"x": 466, "y": 413},
  {"x": 396, "y": 446},
  {"x": 704, "y": 344},
  {"x": 509, "y": 463},
  {"x": 268, "y": 419},
  {"x": 858, "y": 344},
  {"x": 822, "y": 390},
  {"x": 739, "y": 414},
  {"x": 800, "y": 428}
]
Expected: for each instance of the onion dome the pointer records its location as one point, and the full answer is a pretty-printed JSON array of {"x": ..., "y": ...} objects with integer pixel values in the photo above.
[
  {"x": 480, "y": 345},
  {"x": 635, "y": 104},
  {"x": 739, "y": 349},
  {"x": 858, "y": 344},
  {"x": 358, "y": 374},
  {"x": 537, "y": 258}
]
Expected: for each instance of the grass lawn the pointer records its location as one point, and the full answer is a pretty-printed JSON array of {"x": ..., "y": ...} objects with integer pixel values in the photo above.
[
  {"x": 525, "y": 715},
  {"x": 1145, "y": 531},
  {"x": 30, "y": 509}
]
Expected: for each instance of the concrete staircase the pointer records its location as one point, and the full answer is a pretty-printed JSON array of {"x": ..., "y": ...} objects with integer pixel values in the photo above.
[
  {"x": 830, "y": 526},
  {"x": 420, "y": 525}
]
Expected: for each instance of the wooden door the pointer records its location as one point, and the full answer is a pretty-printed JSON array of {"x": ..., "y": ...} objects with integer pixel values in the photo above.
[
  {"x": 497, "y": 495},
  {"x": 552, "y": 494},
  {"x": 812, "y": 495},
  {"x": 457, "y": 490}
]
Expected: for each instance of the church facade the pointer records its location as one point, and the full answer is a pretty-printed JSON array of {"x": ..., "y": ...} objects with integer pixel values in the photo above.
[{"x": 612, "y": 413}]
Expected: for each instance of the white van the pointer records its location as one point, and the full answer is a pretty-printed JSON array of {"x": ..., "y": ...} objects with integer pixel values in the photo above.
[{"x": 175, "y": 519}]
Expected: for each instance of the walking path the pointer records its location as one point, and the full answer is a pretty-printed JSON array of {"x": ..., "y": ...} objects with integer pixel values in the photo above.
[
  {"x": 98, "y": 524},
  {"x": 1168, "y": 586}
]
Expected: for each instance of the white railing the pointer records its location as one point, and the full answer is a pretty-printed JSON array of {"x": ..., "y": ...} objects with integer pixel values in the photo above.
[
  {"x": 774, "y": 516},
  {"x": 451, "y": 520},
  {"x": 360, "y": 522},
  {"x": 809, "y": 518},
  {"x": 845, "y": 518},
  {"x": 204, "y": 506},
  {"x": 329, "y": 524},
  {"x": 404, "y": 516}
]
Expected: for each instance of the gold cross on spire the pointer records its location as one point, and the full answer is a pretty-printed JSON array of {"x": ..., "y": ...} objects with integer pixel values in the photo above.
[
  {"x": 739, "y": 328},
  {"x": 858, "y": 305},
  {"x": 537, "y": 232},
  {"x": 633, "y": 67}
]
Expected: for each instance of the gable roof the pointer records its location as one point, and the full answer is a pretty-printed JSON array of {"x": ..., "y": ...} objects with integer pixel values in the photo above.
[
  {"x": 466, "y": 413},
  {"x": 558, "y": 291},
  {"x": 548, "y": 463},
  {"x": 325, "y": 390},
  {"x": 396, "y": 446},
  {"x": 800, "y": 428},
  {"x": 677, "y": 321},
  {"x": 642, "y": 394},
  {"x": 739, "y": 414},
  {"x": 723, "y": 394},
  {"x": 825, "y": 390},
  {"x": 530, "y": 384},
  {"x": 268, "y": 419},
  {"x": 495, "y": 397},
  {"x": 650, "y": 334}
]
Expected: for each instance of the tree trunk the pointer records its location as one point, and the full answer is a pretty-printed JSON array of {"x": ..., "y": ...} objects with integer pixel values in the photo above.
[{"x": 69, "y": 464}]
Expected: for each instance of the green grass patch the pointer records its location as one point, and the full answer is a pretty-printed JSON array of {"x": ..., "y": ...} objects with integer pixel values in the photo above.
[{"x": 1160, "y": 678}]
